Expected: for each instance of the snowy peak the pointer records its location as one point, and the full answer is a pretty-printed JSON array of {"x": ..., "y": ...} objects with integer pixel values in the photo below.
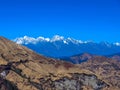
[
  {"x": 30, "y": 40},
  {"x": 57, "y": 38},
  {"x": 117, "y": 44}
]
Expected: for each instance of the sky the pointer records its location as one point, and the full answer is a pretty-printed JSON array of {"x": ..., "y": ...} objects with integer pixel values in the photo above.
[{"x": 97, "y": 20}]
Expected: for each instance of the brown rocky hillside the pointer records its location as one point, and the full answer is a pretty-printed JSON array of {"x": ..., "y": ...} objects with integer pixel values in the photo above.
[
  {"x": 23, "y": 69},
  {"x": 106, "y": 69}
]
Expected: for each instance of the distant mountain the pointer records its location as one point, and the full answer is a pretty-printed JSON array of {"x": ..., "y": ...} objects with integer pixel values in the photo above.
[
  {"x": 79, "y": 58},
  {"x": 84, "y": 57},
  {"x": 58, "y": 46},
  {"x": 115, "y": 56}
]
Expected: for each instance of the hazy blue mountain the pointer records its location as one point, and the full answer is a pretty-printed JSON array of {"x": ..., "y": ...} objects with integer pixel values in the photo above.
[{"x": 58, "y": 46}]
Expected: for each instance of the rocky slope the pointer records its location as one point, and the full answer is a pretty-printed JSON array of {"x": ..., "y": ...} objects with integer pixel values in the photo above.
[
  {"x": 106, "y": 68},
  {"x": 23, "y": 69}
]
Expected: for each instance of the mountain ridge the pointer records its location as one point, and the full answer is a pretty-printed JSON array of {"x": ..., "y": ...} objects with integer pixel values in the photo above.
[
  {"x": 66, "y": 46},
  {"x": 32, "y": 40}
]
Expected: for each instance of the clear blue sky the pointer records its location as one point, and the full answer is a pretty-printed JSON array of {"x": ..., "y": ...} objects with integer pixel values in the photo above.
[{"x": 97, "y": 20}]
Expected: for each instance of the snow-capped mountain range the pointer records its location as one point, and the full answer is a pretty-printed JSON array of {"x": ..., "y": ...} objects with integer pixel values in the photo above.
[
  {"x": 30, "y": 40},
  {"x": 58, "y": 46}
]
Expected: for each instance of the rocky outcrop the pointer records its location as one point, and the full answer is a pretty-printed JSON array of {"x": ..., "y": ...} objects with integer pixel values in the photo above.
[
  {"x": 4, "y": 83},
  {"x": 75, "y": 82},
  {"x": 107, "y": 69},
  {"x": 7, "y": 85}
]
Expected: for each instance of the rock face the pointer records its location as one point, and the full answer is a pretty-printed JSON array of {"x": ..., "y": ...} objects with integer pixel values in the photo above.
[
  {"x": 23, "y": 69},
  {"x": 7, "y": 85},
  {"x": 76, "y": 82}
]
